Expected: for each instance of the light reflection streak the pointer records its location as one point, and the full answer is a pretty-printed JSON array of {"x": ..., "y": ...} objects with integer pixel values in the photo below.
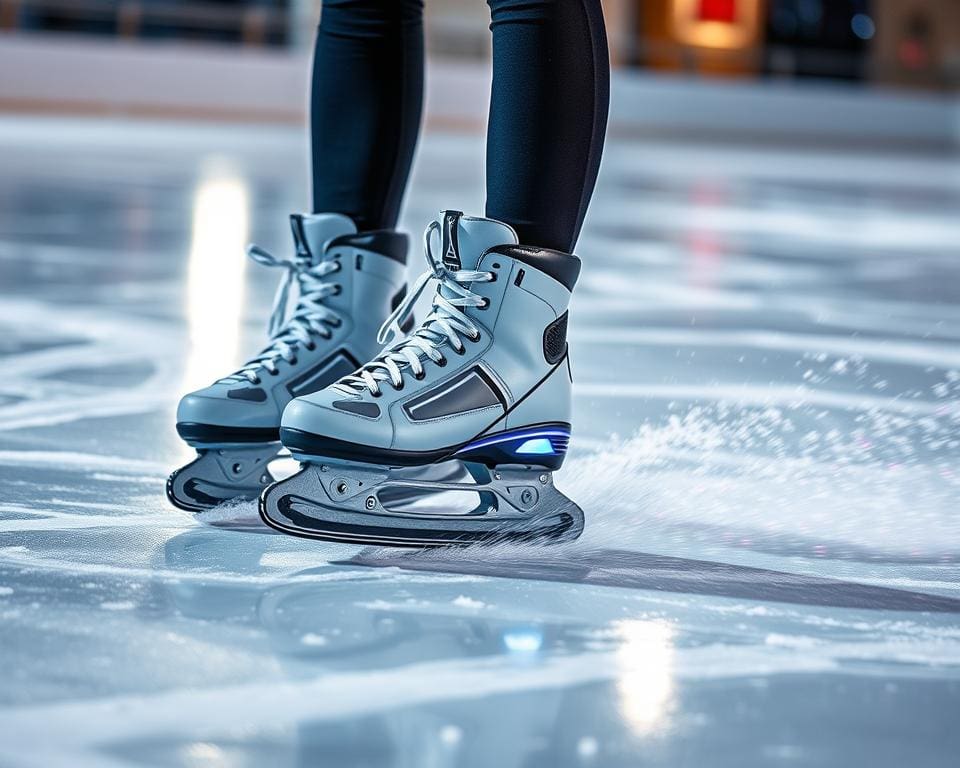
[
  {"x": 645, "y": 679},
  {"x": 216, "y": 276},
  {"x": 528, "y": 640}
]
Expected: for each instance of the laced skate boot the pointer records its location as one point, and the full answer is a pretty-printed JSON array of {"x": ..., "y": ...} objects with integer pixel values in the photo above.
[
  {"x": 483, "y": 382},
  {"x": 347, "y": 283}
]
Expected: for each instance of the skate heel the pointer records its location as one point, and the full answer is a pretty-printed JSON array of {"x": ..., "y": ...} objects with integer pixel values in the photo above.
[{"x": 537, "y": 445}]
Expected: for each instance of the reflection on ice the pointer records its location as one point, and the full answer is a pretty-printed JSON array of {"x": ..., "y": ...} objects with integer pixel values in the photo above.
[
  {"x": 645, "y": 673},
  {"x": 528, "y": 640},
  {"x": 215, "y": 278}
]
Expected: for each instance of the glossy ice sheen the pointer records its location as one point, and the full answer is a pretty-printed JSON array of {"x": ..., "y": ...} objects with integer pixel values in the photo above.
[{"x": 766, "y": 350}]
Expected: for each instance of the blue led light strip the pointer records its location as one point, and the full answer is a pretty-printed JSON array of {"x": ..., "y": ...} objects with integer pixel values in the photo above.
[{"x": 558, "y": 439}]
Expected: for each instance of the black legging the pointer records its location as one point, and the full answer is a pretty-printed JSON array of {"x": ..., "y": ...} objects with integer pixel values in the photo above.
[{"x": 548, "y": 112}]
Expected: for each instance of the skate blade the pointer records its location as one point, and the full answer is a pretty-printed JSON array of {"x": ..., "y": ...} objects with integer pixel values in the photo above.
[
  {"x": 361, "y": 507},
  {"x": 217, "y": 476}
]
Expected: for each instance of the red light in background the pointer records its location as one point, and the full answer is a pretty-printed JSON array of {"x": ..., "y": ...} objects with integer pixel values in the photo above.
[
  {"x": 913, "y": 54},
  {"x": 717, "y": 10},
  {"x": 729, "y": 24}
]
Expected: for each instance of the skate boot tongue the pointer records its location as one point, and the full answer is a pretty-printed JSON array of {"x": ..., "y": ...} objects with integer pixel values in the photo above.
[
  {"x": 454, "y": 247},
  {"x": 464, "y": 239},
  {"x": 312, "y": 231}
]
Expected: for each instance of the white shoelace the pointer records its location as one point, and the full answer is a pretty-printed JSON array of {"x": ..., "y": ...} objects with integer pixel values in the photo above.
[
  {"x": 310, "y": 317},
  {"x": 446, "y": 323}
]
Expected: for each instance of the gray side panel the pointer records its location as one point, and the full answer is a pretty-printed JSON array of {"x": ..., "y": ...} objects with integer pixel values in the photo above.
[
  {"x": 370, "y": 410},
  {"x": 326, "y": 372},
  {"x": 467, "y": 392},
  {"x": 253, "y": 394}
]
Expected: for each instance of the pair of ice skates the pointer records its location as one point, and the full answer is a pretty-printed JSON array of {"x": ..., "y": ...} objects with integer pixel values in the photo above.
[{"x": 475, "y": 401}]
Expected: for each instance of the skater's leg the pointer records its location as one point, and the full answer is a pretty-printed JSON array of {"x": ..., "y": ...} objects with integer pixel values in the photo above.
[
  {"x": 484, "y": 383},
  {"x": 548, "y": 115},
  {"x": 366, "y": 100}
]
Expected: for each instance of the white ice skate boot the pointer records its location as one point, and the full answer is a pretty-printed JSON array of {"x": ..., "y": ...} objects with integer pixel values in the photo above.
[
  {"x": 484, "y": 381},
  {"x": 347, "y": 283}
]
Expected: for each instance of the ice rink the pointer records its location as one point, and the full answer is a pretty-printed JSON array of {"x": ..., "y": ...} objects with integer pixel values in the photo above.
[{"x": 766, "y": 353}]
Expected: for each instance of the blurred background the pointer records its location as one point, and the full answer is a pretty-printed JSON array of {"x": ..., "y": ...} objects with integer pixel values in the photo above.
[
  {"x": 911, "y": 43},
  {"x": 765, "y": 343},
  {"x": 245, "y": 59}
]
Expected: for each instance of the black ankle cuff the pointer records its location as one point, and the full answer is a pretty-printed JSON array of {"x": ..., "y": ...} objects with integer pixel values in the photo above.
[
  {"x": 562, "y": 267},
  {"x": 386, "y": 242}
]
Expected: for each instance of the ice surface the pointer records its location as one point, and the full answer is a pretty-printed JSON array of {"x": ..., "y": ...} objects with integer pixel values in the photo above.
[{"x": 766, "y": 350}]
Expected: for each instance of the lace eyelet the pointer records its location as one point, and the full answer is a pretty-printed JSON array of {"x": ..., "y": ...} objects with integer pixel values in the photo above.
[
  {"x": 475, "y": 338},
  {"x": 336, "y": 323},
  {"x": 441, "y": 362},
  {"x": 396, "y": 388},
  {"x": 256, "y": 380},
  {"x": 378, "y": 393},
  {"x": 274, "y": 372},
  {"x": 493, "y": 276},
  {"x": 485, "y": 305},
  {"x": 310, "y": 347},
  {"x": 420, "y": 376},
  {"x": 337, "y": 290},
  {"x": 294, "y": 361},
  {"x": 460, "y": 351}
]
